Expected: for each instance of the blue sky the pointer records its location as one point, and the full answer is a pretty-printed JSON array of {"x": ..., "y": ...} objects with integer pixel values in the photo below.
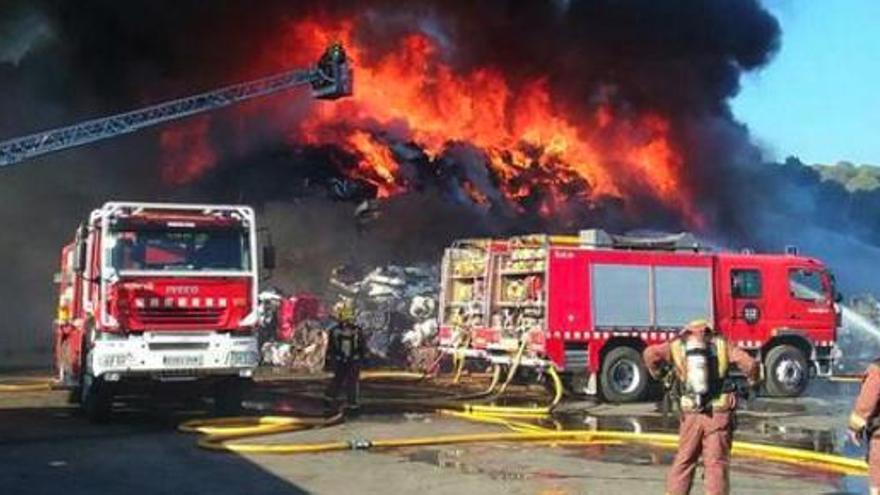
[{"x": 819, "y": 99}]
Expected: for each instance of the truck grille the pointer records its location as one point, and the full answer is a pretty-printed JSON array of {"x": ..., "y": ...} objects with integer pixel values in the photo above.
[{"x": 180, "y": 316}]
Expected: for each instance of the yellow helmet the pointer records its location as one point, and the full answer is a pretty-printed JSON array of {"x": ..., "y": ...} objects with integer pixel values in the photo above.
[
  {"x": 344, "y": 310},
  {"x": 697, "y": 325}
]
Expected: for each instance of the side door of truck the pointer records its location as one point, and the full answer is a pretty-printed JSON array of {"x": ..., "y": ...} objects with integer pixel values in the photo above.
[
  {"x": 744, "y": 301},
  {"x": 810, "y": 304}
]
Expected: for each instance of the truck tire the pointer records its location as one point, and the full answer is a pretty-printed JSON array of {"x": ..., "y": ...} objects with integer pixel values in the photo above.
[
  {"x": 787, "y": 371},
  {"x": 228, "y": 395},
  {"x": 96, "y": 398},
  {"x": 624, "y": 377}
]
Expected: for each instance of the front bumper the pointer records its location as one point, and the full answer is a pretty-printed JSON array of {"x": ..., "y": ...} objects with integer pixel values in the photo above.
[{"x": 174, "y": 354}]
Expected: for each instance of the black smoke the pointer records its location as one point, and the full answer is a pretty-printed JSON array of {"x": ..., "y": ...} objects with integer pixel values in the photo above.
[{"x": 64, "y": 61}]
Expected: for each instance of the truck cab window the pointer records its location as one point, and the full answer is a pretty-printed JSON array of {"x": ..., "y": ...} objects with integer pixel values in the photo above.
[
  {"x": 188, "y": 250},
  {"x": 745, "y": 284},
  {"x": 806, "y": 284}
]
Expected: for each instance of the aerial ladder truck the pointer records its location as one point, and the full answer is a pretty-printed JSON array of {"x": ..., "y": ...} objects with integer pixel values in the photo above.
[{"x": 154, "y": 294}]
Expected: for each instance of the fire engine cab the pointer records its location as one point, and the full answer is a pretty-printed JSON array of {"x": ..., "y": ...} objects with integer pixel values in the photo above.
[
  {"x": 589, "y": 304},
  {"x": 158, "y": 293}
]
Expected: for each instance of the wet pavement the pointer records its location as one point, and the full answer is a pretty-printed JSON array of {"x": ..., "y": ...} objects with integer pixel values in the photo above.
[{"x": 47, "y": 447}]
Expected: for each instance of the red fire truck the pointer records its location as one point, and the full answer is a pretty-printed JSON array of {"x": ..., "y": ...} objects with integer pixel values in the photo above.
[
  {"x": 154, "y": 293},
  {"x": 589, "y": 304}
]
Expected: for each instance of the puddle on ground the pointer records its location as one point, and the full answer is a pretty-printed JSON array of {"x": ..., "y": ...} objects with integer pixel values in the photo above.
[
  {"x": 472, "y": 461},
  {"x": 761, "y": 421}
]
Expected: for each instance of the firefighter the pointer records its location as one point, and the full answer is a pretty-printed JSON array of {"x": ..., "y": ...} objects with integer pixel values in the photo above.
[
  {"x": 332, "y": 57},
  {"x": 699, "y": 358},
  {"x": 345, "y": 352},
  {"x": 864, "y": 421}
]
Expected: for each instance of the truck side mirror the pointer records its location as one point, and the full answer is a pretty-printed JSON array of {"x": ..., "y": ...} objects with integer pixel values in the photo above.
[
  {"x": 838, "y": 297},
  {"x": 80, "y": 253},
  {"x": 79, "y": 259},
  {"x": 269, "y": 257}
]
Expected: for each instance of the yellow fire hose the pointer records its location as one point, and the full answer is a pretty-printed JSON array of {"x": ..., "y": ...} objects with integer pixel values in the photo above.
[
  {"x": 226, "y": 434},
  {"x": 847, "y": 378},
  {"x": 28, "y": 385}
]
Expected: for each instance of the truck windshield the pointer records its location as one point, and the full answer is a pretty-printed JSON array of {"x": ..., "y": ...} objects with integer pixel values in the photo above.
[
  {"x": 807, "y": 285},
  {"x": 187, "y": 250}
]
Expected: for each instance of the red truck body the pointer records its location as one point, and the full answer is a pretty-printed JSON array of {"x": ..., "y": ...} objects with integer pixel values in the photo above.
[
  {"x": 589, "y": 305},
  {"x": 162, "y": 292}
]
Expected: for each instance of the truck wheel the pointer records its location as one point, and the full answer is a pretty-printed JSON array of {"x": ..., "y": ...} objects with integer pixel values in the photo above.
[
  {"x": 787, "y": 371},
  {"x": 96, "y": 398},
  {"x": 228, "y": 395},
  {"x": 624, "y": 377}
]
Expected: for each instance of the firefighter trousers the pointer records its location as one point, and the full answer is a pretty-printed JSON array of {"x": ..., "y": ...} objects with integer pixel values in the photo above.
[
  {"x": 874, "y": 464},
  {"x": 346, "y": 377},
  {"x": 709, "y": 434}
]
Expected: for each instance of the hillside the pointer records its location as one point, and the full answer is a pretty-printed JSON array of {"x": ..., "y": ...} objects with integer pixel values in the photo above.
[{"x": 854, "y": 178}]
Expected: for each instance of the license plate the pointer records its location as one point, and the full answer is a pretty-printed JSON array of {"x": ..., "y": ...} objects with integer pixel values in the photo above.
[{"x": 182, "y": 361}]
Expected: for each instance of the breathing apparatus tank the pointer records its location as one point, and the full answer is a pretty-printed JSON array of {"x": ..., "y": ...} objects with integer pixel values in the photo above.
[{"x": 697, "y": 361}]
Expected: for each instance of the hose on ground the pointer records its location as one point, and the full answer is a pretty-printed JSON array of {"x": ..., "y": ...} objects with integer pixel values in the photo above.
[
  {"x": 227, "y": 434},
  {"x": 28, "y": 385}
]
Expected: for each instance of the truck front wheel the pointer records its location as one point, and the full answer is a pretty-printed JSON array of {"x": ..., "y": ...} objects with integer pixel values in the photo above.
[
  {"x": 96, "y": 397},
  {"x": 624, "y": 377},
  {"x": 787, "y": 371},
  {"x": 228, "y": 395}
]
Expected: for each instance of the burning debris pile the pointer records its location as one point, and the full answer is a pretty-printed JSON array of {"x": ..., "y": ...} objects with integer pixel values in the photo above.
[
  {"x": 396, "y": 306},
  {"x": 611, "y": 113}
]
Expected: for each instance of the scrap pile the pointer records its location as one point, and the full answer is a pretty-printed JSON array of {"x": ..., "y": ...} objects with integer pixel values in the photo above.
[
  {"x": 292, "y": 331},
  {"x": 396, "y": 306}
]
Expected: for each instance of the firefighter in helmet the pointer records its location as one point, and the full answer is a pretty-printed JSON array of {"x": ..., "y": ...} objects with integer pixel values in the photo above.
[
  {"x": 332, "y": 57},
  {"x": 345, "y": 352},
  {"x": 864, "y": 423},
  {"x": 700, "y": 358}
]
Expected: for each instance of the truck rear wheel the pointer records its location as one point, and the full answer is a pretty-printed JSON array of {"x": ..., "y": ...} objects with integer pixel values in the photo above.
[
  {"x": 624, "y": 377},
  {"x": 787, "y": 371}
]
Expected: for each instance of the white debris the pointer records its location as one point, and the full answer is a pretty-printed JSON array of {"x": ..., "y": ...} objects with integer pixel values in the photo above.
[{"x": 396, "y": 306}]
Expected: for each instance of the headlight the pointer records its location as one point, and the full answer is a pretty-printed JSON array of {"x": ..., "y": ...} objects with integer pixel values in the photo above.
[
  {"x": 243, "y": 358},
  {"x": 113, "y": 360}
]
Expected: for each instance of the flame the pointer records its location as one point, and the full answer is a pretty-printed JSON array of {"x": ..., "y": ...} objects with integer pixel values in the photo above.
[
  {"x": 186, "y": 151},
  {"x": 376, "y": 165},
  {"x": 533, "y": 145},
  {"x": 538, "y": 150}
]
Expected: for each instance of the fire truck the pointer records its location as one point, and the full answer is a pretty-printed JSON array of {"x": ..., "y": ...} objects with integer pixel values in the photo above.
[
  {"x": 589, "y": 305},
  {"x": 155, "y": 293}
]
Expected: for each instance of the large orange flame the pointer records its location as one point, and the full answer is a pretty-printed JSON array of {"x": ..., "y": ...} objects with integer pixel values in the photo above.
[
  {"x": 534, "y": 146},
  {"x": 520, "y": 130}
]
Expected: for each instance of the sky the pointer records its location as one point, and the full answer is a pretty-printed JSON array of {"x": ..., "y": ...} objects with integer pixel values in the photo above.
[{"x": 819, "y": 99}]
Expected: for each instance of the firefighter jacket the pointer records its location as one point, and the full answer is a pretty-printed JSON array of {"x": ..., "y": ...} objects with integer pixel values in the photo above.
[
  {"x": 346, "y": 343},
  {"x": 865, "y": 411},
  {"x": 721, "y": 396}
]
